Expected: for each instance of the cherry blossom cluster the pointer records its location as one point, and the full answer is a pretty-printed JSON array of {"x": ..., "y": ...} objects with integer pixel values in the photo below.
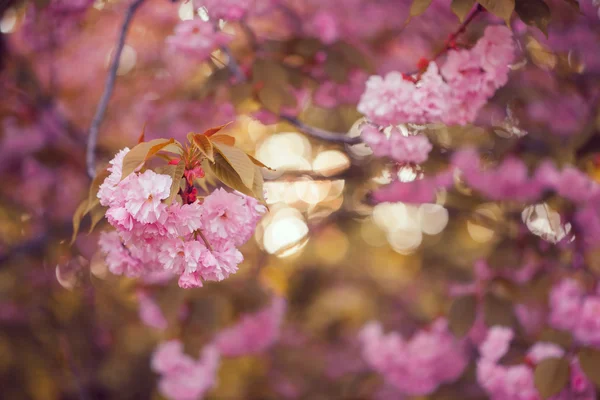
[
  {"x": 254, "y": 332},
  {"x": 417, "y": 366},
  {"x": 398, "y": 144},
  {"x": 197, "y": 241},
  {"x": 197, "y": 39},
  {"x": 574, "y": 310},
  {"x": 181, "y": 376},
  {"x": 516, "y": 382},
  {"x": 452, "y": 94}
]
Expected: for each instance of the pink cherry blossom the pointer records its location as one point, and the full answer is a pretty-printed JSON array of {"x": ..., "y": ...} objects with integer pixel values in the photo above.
[
  {"x": 196, "y": 38},
  {"x": 496, "y": 344},
  {"x": 254, "y": 333},
  {"x": 145, "y": 194},
  {"x": 150, "y": 313},
  {"x": 418, "y": 366},
  {"x": 182, "y": 377},
  {"x": 587, "y": 330},
  {"x": 565, "y": 304}
]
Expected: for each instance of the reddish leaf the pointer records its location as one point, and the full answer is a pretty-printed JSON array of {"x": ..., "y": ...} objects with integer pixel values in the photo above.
[{"x": 212, "y": 131}]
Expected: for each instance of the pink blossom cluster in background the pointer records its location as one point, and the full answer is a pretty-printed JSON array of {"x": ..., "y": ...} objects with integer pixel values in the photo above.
[
  {"x": 516, "y": 382},
  {"x": 181, "y": 376},
  {"x": 417, "y": 366},
  {"x": 452, "y": 94},
  {"x": 152, "y": 236},
  {"x": 571, "y": 309},
  {"x": 404, "y": 148},
  {"x": 197, "y": 39},
  {"x": 254, "y": 332},
  {"x": 418, "y": 191}
]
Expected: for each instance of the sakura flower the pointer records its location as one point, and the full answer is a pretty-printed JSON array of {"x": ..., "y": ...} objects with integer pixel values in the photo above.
[
  {"x": 225, "y": 215},
  {"x": 587, "y": 330},
  {"x": 196, "y": 38},
  {"x": 118, "y": 258},
  {"x": 150, "y": 313},
  {"x": 496, "y": 344},
  {"x": 182, "y": 377},
  {"x": 418, "y": 366},
  {"x": 565, "y": 304},
  {"x": 145, "y": 195},
  {"x": 254, "y": 333}
]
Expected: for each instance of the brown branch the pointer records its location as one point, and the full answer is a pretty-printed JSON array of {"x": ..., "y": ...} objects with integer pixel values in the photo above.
[
  {"x": 334, "y": 137},
  {"x": 108, "y": 89}
]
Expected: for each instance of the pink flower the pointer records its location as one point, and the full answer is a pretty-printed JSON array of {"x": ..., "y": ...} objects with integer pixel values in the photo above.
[
  {"x": 417, "y": 367},
  {"x": 254, "y": 333},
  {"x": 106, "y": 191},
  {"x": 145, "y": 194},
  {"x": 118, "y": 258},
  {"x": 169, "y": 357},
  {"x": 453, "y": 94},
  {"x": 196, "y": 38},
  {"x": 417, "y": 191},
  {"x": 225, "y": 215},
  {"x": 495, "y": 51},
  {"x": 587, "y": 330},
  {"x": 183, "y": 378},
  {"x": 324, "y": 26},
  {"x": 496, "y": 344},
  {"x": 542, "y": 350},
  {"x": 231, "y": 10},
  {"x": 150, "y": 313},
  {"x": 565, "y": 304}
]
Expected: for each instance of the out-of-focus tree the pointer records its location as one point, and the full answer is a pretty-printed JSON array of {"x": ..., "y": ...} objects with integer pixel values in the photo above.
[{"x": 303, "y": 199}]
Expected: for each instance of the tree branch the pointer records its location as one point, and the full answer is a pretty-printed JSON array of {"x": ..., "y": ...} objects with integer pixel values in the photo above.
[
  {"x": 322, "y": 134},
  {"x": 318, "y": 133},
  {"x": 108, "y": 89}
]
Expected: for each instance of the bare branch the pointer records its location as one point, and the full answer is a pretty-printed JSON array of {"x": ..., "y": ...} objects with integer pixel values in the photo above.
[
  {"x": 108, "y": 89},
  {"x": 322, "y": 134},
  {"x": 318, "y": 133}
]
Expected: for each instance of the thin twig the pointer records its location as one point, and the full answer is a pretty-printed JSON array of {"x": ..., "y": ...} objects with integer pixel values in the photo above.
[
  {"x": 322, "y": 134},
  {"x": 108, "y": 89},
  {"x": 233, "y": 66},
  {"x": 318, "y": 133}
]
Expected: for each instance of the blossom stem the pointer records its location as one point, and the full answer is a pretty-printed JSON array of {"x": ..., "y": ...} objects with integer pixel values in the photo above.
[
  {"x": 459, "y": 31},
  {"x": 206, "y": 242},
  {"x": 108, "y": 89}
]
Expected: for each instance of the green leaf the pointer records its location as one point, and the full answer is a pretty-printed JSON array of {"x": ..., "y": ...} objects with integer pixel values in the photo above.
[
  {"x": 142, "y": 152},
  {"x": 78, "y": 215},
  {"x": 239, "y": 161},
  {"x": 461, "y": 8},
  {"x": 551, "y": 375},
  {"x": 418, "y": 7},
  {"x": 462, "y": 314},
  {"x": 534, "y": 13},
  {"x": 589, "y": 359},
  {"x": 205, "y": 146},
  {"x": 176, "y": 174},
  {"x": 500, "y": 8}
]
